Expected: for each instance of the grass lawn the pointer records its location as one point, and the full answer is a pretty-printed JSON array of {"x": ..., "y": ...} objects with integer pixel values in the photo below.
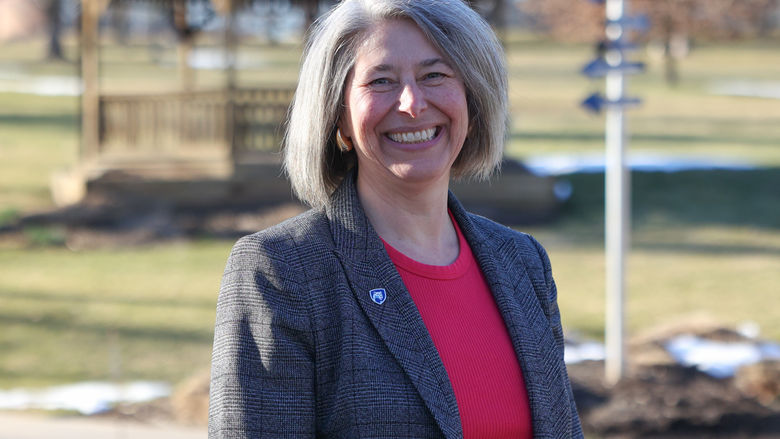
[
  {"x": 702, "y": 241},
  {"x": 135, "y": 313}
]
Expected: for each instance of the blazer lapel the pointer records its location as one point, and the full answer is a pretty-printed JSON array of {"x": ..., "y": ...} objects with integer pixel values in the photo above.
[
  {"x": 528, "y": 327},
  {"x": 396, "y": 319}
]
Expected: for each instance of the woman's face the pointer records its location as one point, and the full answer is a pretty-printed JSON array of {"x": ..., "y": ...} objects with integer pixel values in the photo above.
[{"x": 405, "y": 107}]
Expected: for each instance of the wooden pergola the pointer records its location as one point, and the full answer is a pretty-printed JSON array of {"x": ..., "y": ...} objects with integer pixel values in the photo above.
[{"x": 178, "y": 135}]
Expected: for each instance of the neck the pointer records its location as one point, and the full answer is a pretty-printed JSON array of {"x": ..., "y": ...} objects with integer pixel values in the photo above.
[{"x": 412, "y": 220}]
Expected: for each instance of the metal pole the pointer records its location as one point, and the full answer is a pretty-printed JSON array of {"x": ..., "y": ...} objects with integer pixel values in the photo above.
[{"x": 617, "y": 214}]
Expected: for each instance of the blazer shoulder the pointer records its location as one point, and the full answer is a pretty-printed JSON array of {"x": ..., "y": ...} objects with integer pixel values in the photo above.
[
  {"x": 284, "y": 257},
  {"x": 285, "y": 241},
  {"x": 490, "y": 229},
  {"x": 276, "y": 264}
]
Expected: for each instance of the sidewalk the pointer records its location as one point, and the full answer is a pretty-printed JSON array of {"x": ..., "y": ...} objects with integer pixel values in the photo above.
[{"x": 27, "y": 426}]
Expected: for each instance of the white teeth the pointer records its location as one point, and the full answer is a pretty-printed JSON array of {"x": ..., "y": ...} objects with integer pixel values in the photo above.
[{"x": 414, "y": 137}]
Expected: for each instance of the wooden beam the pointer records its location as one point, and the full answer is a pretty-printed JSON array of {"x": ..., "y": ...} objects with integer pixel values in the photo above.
[
  {"x": 231, "y": 57},
  {"x": 90, "y": 98},
  {"x": 185, "y": 42}
]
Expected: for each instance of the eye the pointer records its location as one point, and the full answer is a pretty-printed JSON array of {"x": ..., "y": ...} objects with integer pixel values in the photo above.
[
  {"x": 434, "y": 78},
  {"x": 380, "y": 81}
]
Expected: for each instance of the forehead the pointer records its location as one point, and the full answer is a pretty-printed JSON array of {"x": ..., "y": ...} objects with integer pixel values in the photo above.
[{"x": 394, "y": 41}]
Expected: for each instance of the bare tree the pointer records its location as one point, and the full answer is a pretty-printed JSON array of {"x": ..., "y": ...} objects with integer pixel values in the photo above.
[
  {"x": 709, "y": 19},
  {"x": 674, "y": 23},
  {"x": 186, "y": 31},
  {"x": 566, "y": 20},
  {"x": 677, "y": 22},
  {"x": 53, "y": 9},
  {"x": 310, "y": 10},
  {"x": 580, "y": 20},
  {"x": 495, "y": 12}
]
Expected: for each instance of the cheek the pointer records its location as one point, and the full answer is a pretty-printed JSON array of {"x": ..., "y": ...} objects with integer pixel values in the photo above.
[
  {"x": 452, "y": 99},
  {"x": 456, "y": 106},
  {"x": 367, "y": 114}
]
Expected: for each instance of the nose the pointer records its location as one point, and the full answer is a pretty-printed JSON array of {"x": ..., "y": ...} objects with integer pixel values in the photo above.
[{"x": 412, "y": 100}]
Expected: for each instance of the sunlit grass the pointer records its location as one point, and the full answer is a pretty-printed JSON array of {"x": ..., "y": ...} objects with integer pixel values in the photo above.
[
  {"x": 666, "y": 285},
  {"x": 701, "y": 241},
  {"x": 132, "y": 313},
  {"x": 38, "y": 136}
]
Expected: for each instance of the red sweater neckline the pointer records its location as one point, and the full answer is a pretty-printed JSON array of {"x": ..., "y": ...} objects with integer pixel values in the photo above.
[{"x": 452, "y": 271}]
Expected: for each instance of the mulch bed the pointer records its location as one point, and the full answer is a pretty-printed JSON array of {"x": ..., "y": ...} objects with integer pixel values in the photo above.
[{"x": 669, "y": 401}]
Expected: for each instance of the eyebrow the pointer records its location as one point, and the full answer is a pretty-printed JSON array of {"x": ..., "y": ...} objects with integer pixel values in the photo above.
[{"x": 424, "y": 63}]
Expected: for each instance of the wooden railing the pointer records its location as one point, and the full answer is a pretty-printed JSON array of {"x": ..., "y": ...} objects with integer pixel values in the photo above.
[
  {"x": 183, "y": 123},
  {"x": 258, "y": 118}
]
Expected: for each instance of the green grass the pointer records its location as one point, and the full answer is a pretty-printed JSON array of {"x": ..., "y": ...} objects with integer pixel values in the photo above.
[
  {"x": 545, "y": 91},
  {"x": 38, "y": 135},
  {"x": 133, "y": 313},
  {"x": 701, "y": 241}
]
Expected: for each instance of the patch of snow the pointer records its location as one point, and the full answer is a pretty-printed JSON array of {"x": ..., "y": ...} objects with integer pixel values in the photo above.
[
  {"x": 216, "y": 59},
  {"x": 562, "y": 164},
  {"x": 744, "y": 88},
  {"x": 40, "y": 85},
  {"x": 719, "y": 359},
  {"x": 575, "y": 353},
  {"x": 749, "y": 329},
  {"x": 86, "y": 398}
]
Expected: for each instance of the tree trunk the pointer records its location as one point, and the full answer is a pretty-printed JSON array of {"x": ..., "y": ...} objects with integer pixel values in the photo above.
[
  {"x": 55, "y": 29},
  {"x": 185, "y": 36},
  {"x": 671, "y": 73}
]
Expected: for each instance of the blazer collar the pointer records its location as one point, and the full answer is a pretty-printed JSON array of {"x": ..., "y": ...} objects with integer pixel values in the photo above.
[
  {"x": 503, "y": 264},
  {"x": 397, "y": 319},
  {"x": 400, "y": 325}
]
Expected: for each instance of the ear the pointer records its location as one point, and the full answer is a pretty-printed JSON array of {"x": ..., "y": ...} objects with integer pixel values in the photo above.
[
  {"x": 346, "y": 130},
  {"x": 344, "y": 122}
]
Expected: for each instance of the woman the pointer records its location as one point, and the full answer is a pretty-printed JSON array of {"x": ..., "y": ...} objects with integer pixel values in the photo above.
[{"x": 387, "y": 310}]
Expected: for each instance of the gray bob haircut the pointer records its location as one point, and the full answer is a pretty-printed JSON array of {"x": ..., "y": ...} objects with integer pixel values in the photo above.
[{"x": 312, "y": 159}]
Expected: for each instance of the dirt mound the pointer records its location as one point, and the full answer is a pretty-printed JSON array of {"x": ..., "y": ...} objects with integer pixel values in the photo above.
[
  {"x": 190, "y": 400},
  {"x": 187, "y": 405},
  {"x": 668, "y": 401},
  {"x": 98, "y": 223},
  {"x": 662, "y": 399},
  {"x": 760, "y": 381}
]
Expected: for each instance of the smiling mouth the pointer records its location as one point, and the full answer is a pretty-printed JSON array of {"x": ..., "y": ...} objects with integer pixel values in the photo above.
[{"x": 414, "y": 136}]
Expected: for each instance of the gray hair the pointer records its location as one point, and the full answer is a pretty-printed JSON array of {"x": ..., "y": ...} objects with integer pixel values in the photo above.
[{"x": 312, "y": 160}]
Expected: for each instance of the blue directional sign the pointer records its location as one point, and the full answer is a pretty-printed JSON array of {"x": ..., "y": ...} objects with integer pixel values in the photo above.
[
  {"x": 595, "y": 102},
  {"x": 599, "y": 67},
  {"x": 620, "y": 45},
  {"x": 637, "y": 22}
]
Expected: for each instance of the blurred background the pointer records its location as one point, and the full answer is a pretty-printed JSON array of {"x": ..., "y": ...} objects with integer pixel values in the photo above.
[{"x": 140, "y": 138}]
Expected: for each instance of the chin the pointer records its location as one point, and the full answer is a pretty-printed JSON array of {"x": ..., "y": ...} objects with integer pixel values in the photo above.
[{"x": 421, "y": 174}]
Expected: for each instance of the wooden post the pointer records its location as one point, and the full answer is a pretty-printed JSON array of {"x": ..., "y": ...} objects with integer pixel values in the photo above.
[
  {"x": 90, "y": 98},
  {"x": 231, "y": 44},
  {"x": 185, "y": 36}
]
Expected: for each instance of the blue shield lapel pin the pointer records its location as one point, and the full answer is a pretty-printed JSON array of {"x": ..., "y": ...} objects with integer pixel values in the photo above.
[{"x": 378, "y": 295}]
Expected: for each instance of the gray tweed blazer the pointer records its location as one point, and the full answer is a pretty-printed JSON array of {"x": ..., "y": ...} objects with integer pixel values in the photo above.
[{"x": 302, "y": 350}]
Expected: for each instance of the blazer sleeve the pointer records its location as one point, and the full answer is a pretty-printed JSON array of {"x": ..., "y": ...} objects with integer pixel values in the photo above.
[
  {"x": 550, "y": 306},
  {"x": 262, "y": 373}
]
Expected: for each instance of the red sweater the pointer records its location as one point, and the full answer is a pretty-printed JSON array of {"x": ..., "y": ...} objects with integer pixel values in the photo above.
[{"x": 466, "y": 326}]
